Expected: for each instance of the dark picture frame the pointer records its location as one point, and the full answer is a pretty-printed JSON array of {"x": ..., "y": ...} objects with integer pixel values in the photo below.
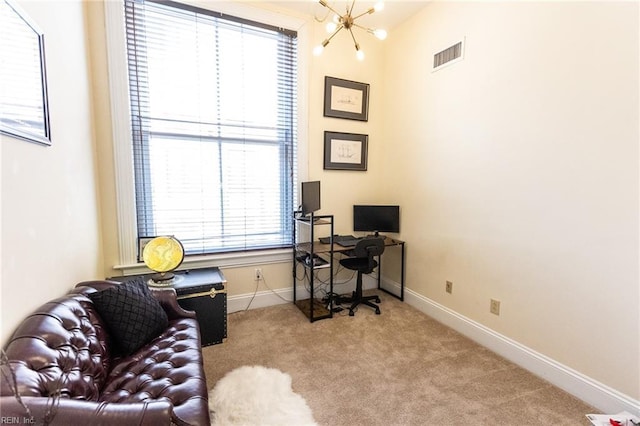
[
  {"x": 345, "y": 151},
  {"x": 142, "y": 242},
  {"x": 24, "y": 101},
  {"x": 346, "y": 99}
]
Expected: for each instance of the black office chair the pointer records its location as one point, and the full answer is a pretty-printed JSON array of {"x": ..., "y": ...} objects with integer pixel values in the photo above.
[{"x": 363, "y": 261}]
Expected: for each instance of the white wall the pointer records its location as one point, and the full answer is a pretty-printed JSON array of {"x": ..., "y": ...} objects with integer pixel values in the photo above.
[
  {"x": 340, "y": 189},
  {"x": 518, "y": 170},
  {"x": 50, "y": 219}
]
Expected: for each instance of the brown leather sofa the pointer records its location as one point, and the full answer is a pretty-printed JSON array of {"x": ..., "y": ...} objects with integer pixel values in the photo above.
[{"x": 67, "y": 371}]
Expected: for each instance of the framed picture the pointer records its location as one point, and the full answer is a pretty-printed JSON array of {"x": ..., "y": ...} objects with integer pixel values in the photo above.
[
  {"x": 346, "y": 99},
  {"x": 345, "y": 151},
  {"x": 23, "y": 100},
  {"x": 142, "y": 241}
]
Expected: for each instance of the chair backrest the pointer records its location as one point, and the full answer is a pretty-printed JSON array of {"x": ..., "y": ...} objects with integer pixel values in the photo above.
[{"x": 369, "y": 247}]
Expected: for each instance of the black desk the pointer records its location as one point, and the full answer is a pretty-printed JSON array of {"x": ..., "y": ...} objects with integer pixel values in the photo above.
[{"x": 319, "y": 248}]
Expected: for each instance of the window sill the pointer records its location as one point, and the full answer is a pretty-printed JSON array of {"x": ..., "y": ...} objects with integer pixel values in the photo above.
[{"x": 227, "y": 260}]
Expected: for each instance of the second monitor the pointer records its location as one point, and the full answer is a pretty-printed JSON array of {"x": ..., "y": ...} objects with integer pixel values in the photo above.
[
  {"x": 375, "y": 218},
  {"x": 310, "y": 197}
]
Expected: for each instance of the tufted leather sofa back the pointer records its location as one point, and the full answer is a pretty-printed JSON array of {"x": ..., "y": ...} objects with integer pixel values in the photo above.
[
  {"x": 66, "y": 373},
  {"x": 60, "y": 347}
]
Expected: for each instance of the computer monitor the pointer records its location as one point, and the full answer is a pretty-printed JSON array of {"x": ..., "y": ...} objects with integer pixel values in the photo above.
[
  {"x": 310, "y": 197},
  {"x": 376, "y": 218}
]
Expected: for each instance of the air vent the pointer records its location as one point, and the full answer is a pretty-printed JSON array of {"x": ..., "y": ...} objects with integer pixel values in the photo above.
[{"x": 448, "y": 56}]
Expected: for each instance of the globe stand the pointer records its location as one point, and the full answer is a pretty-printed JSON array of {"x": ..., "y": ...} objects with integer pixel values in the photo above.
[
  {"x": 162, "y": 255},
  {"x": 162, "y": 278}
]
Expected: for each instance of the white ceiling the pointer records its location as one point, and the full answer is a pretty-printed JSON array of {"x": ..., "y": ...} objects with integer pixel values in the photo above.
[{"x": 393, "y": 14}]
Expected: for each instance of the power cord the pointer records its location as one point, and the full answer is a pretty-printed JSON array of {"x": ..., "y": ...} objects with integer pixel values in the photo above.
[
  {"x": 12, "y": 381},
  {"x": 272, "y": 290},
  {"x": 254, "y": 295},
  {"x": 255, "y": 292}
]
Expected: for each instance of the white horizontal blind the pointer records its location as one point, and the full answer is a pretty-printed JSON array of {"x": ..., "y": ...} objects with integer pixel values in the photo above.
[{"x": 213, "y": 109}]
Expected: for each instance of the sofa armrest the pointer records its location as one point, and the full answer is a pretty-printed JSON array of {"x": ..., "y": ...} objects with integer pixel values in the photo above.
[
  {"x": 98, "y": 285},
  {"x": 76, "y": 412},
  {"x": 168, "y": 299}
]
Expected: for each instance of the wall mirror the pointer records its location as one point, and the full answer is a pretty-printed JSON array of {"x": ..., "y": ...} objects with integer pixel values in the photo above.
[{"x": 24, "y": 109}]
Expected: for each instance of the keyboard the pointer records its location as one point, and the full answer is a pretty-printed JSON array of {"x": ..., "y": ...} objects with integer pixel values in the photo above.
[
  {"x": 337, "y": 238},
  {"x": 348, "y": 242}
]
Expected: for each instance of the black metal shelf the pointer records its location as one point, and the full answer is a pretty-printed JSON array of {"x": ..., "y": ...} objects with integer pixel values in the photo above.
[{"x": 311, "y": 248}]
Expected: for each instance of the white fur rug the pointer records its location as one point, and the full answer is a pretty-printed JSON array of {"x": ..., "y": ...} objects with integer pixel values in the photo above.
[{"x": 257, "y": 396}]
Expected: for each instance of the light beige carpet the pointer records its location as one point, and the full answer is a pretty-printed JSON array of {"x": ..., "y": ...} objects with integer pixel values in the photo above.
[{"x": 397, "y": 368}]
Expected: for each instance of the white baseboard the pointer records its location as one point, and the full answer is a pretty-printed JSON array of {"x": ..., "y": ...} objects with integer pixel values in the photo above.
[
  {"x": 592, "y": 392},
  {"x": 262, "y": 299}
]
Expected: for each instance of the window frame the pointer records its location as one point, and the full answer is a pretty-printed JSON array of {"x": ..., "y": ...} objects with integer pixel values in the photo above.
[{"x": 121, "y": 128}]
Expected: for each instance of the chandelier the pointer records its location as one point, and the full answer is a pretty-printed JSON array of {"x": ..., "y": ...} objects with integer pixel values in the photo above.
[{"x": 348, "y": 22}]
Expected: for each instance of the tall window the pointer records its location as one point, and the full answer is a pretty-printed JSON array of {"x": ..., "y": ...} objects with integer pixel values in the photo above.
[{"x": 213, "y": 112}]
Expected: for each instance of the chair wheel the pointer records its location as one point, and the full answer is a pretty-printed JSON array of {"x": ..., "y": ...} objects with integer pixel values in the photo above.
[
  {"x": 377, "y": 300},
  {"x": 377, "y": 311},
  {"x": 351, "y": 313}
]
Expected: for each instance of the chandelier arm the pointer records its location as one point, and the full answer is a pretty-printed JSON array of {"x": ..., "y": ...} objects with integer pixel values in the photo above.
[
  {"x": 364, "y": 13},
  {"x": 353, "y": 3},
  {"x": 333, "y": 35},
  {"x": 363, "y": 28},
  {"x": 367, "y": 29},
  {"x": 324, "y": 3},
  {"x": 354, "y": 40}
]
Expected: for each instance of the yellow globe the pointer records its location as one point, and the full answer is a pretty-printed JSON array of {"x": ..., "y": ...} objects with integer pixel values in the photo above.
[{"x": 163, "y": 254}]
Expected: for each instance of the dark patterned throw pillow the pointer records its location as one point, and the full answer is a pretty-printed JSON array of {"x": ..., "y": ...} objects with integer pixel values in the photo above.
[{"x": 131, "y": 313}]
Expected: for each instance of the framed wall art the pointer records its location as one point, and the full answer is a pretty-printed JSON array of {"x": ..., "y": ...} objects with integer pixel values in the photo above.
[
  {"x": 346, "y": 99},
  {"x": 142, "y": 242},
  {"x": 345, "y": 151},
  {"x": 23, "y": 95}
]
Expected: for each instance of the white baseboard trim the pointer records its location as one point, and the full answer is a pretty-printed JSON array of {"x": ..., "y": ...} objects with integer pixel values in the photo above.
[
  {"x": 265, "y": 298},
  {"x": 262, "y": 299},
  {"x": 592, "y": 392}
]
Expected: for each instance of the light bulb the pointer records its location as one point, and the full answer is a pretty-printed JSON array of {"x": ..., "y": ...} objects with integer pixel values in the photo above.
[
  {"x": 379, "y": 6},
  {"x": 317, "y": 51},
  {"x": 331, "y": 27},
  {"x": 360, "y": 55},
  {"x": 380, "y": 34}
]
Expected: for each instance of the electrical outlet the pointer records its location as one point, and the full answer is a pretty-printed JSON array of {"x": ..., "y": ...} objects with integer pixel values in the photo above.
[
  {"x": 449, "y": 287},
  {"x": 258, "y": 274},
  {"x": 495, "y": 307}
]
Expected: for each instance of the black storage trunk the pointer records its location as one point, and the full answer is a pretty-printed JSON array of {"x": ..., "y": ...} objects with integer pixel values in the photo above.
[{"x": 203, "y": 291}]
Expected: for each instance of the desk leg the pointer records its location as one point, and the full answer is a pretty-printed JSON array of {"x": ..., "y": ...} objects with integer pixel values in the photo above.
[
  {"x": 401, "y": 297},
  {"x": 379, "y": 273},
  {"x": 402, "y": 272}
]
